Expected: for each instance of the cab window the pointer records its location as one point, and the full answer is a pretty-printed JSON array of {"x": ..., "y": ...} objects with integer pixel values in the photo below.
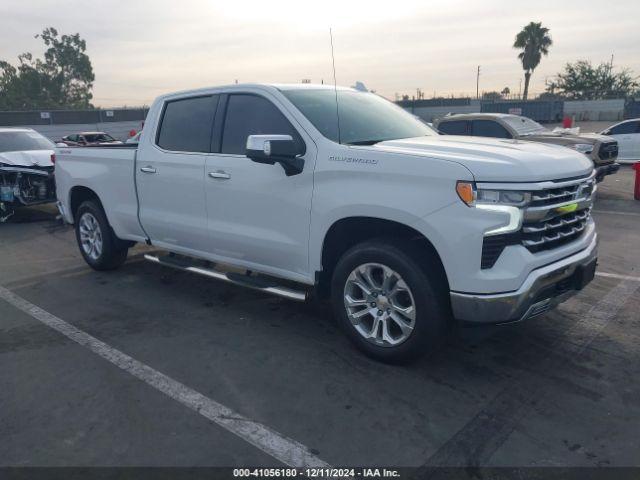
[
  {"x": 489, "y": 128},
  {"x": 455, "y": 127},
  {"x": 252, "y": 115}
]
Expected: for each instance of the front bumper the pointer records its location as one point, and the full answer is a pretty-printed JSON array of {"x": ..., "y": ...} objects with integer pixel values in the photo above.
[
  {"x": 605, "y": 170},
  {"x": 543, "y": 289}
]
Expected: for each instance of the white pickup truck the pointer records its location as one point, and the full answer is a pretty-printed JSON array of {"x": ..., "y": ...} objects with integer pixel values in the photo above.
[{"x": 291, "y": 189}]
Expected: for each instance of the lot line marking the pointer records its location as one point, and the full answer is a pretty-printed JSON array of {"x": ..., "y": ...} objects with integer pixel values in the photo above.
[
  {"x": 631, "y": 214},
  {"x": 619, "y": 277},
  {"x": 286, "y": 450},
  {"x": 476, "y": 442}
]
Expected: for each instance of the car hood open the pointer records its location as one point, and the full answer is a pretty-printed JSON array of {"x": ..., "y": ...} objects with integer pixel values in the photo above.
[{"x": 501, "y": 160}]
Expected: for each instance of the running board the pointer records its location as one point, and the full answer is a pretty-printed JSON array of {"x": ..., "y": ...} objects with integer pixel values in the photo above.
[{"x": 255, "y": 282}]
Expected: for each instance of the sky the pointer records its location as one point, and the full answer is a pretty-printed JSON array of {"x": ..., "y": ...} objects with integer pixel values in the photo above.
[{"x": 142, "y": 48}]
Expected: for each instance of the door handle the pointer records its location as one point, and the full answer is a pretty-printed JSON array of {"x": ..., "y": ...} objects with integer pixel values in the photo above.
[
  {"x": 148, "y": 169},
  {"x": 220, "y": 175}
]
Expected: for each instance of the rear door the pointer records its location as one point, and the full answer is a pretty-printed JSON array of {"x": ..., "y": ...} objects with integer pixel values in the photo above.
[
  {"x": 258, "y": 216},
  {"x": 170, "y": 175}
]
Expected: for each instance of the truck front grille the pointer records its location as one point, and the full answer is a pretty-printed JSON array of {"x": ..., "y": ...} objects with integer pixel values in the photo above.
[
  {"x": 608, "y": 150},
  {"x": 557, "y": 231},
  {"x": 547, "y": 223}
]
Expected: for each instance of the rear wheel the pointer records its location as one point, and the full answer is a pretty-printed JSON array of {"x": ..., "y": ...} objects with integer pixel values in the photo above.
[
  {"x": 387, "y": 301},
  {"x": 99, "y": 246}
]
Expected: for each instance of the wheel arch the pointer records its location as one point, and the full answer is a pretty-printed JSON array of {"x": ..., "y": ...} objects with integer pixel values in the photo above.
[
  {"x": 80, "y": 194},
  {"x": 347, "y": 232}
]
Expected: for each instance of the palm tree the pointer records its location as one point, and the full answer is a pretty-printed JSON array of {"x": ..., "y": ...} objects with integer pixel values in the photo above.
[{"x": 534, "y": 41}]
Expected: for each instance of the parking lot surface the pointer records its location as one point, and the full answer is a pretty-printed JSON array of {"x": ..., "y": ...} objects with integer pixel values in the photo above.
[{"x": 557, "y": 390}]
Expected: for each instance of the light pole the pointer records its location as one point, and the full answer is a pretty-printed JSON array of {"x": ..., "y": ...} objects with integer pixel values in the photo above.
[{"x": 478, "y": 84}]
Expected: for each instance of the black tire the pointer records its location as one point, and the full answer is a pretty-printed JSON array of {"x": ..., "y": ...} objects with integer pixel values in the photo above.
[
  {"x": 113, "y": 251},
  {"x": 425, "y": 283}
]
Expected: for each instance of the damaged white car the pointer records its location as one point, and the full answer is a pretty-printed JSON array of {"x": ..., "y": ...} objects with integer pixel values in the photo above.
[{"x": 26, "y": 170}]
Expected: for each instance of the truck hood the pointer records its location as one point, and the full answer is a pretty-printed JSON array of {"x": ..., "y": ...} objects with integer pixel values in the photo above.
[
  {"x": 497, "y": 160},
  {"x": 29, "y": 158},
  {"x": 561, "y": 138}
]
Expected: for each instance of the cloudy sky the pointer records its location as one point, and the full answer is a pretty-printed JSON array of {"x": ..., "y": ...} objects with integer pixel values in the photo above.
[{"x": 142, "y": 48}]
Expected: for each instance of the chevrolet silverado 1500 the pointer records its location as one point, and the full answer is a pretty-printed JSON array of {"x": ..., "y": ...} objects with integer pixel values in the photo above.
[{"x": 291, "y": 189}]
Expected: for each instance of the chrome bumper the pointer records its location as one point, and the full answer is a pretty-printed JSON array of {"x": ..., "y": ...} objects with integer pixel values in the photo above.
[{"x": 543, "y": 289}]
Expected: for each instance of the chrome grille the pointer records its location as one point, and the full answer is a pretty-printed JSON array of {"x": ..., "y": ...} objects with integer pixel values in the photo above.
[
  {"x": 552, "y": 233},
  {"x": 553, "y": 195}
]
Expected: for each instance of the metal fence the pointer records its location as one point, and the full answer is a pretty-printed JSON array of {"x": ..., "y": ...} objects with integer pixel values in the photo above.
[
  {"x": 66, "y": 117},
  {"x": 538, "y": 110}
]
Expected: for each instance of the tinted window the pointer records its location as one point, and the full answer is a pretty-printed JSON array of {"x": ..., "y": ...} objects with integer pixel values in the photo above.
[
  {"x": 20, "y": 141},
  {"x": 628, "y": 127},
  {"x": 252, "y": 115},
  {"x": 186, "y": 124},
  {"x": 489, "y": 128},
  {"x": 365, "y": 118},
  {"x": 458, "y": 127}
]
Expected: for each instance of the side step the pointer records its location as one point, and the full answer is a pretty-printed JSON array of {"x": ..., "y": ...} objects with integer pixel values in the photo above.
[{"x": 257, "y": 282}]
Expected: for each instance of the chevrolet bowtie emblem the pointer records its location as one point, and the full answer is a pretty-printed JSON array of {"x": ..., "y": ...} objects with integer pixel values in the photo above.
[{"x": 572, "y": 207}]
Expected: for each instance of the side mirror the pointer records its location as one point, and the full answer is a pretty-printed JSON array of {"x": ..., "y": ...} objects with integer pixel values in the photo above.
[
  {"x": 282, "y": 149},
  {"x": 606, "y": 132}
]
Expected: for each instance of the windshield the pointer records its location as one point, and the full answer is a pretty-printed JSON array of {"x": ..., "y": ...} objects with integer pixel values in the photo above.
[
  {"x": 98, "y": 137},
  {"x": 365, "y": 118},
  {"x": 21, "y": 141},
  {"x": 523, "y": 125}
]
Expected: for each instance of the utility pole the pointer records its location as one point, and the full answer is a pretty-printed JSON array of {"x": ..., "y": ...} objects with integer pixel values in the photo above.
[
  {"x": 478, "y": 84},
  {"x": 520, "y": 90}
]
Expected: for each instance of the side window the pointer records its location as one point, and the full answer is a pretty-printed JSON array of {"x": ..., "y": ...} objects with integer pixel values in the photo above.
[
  {"x": 458, "y": 127},
  {"x": 252, "y": 115},
  {"x": 624, "y": 128},
  {"x": 489, "y": 128},
  {"x": 186, "y": 124}
]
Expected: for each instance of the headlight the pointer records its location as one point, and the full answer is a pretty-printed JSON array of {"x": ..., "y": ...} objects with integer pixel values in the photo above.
[
  {"x": 473, "y": 197},
  {"x": 508, "y": 202},
  {"x": 585, "y": 148}
]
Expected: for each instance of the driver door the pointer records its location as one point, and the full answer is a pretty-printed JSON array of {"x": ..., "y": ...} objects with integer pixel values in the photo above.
[{"x": 258, "y": 216}]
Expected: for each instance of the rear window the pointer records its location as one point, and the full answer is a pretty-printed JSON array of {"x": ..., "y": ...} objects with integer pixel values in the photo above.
[
  {"x": 186, "y": 124},
  {"x": 20, "y": 141},
  {"x": 457, "y": 127}
]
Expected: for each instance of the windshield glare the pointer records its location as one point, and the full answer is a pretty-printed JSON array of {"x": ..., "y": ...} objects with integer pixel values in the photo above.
[
  {"x": 365, "y": 118},
  {"x": 523, "y": 125},
  {"x": 24, "y": 141}
]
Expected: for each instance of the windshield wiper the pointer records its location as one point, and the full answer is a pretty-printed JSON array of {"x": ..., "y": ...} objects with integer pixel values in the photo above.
[{"x": 365, "y": 142}]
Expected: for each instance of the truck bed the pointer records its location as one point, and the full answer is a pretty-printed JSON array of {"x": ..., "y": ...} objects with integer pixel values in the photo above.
[{"x": 109, "y": 171}]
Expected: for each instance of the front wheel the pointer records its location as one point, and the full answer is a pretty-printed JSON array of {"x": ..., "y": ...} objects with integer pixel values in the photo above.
[
  {"x": 100, "y": 248},
  {"x": 387, "y": 301}
]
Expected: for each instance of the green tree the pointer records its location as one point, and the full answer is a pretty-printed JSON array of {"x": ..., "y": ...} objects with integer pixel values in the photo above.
[
  {"x": 533, "y": 41},
  {"x": 62, "y": 79},
  {"x": 582, "y": 81},
  {"x": 492, "y": 96}
]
